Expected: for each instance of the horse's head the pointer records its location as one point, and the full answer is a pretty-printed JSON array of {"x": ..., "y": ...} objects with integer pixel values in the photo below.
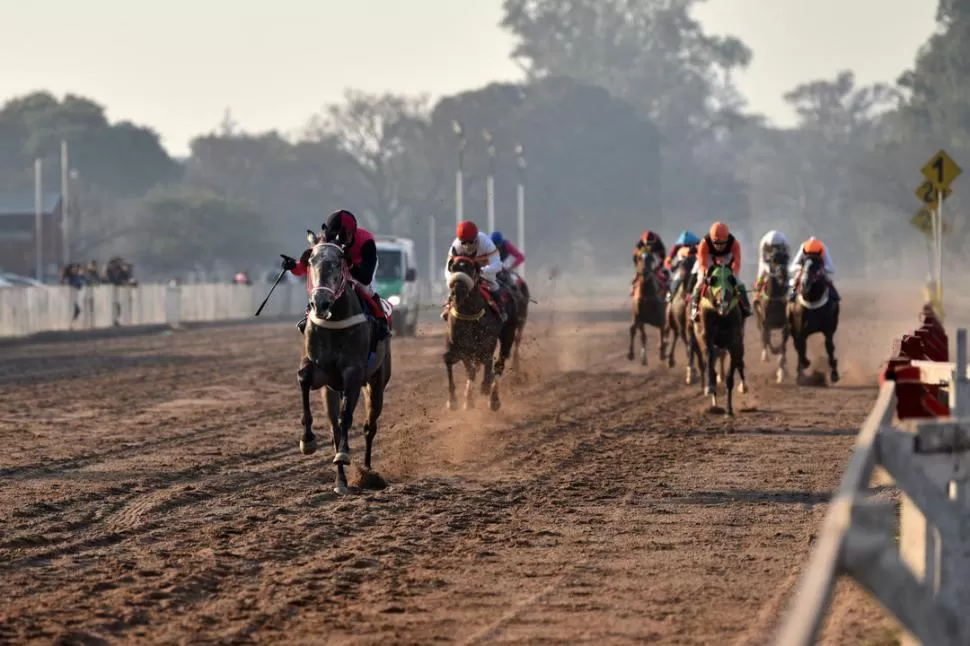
[
  {"x": 779, "y": 266},
  {"x": 328, "y": 274},
  {"x": 462, "y": 277},
  {"x": 723, "y": 288},
  {"x": 646, "y": 263}
]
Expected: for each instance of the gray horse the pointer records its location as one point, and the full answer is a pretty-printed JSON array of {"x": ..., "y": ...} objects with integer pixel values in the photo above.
[{"x": 340, "y": 353}]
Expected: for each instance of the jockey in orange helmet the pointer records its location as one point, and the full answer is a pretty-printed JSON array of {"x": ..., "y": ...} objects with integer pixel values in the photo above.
[
  {"x": 812, "y": 246},
  {"x": 719, "y": 247}
]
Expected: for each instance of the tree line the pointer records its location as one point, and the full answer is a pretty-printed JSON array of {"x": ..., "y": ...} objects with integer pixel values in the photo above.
[{"x": 628, "y": 118}]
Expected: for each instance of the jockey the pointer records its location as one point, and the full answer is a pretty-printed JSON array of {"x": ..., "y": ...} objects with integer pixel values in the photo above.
[
  {"x": 684, "y": 246},
  {"x": 472, "y": 243},
  {"x": 812, "y": 246},
  {"x": 719, "y": 247},
  {"x": 651, "y": 242},
  {"x": 509, "y": 254},
  {"x": 360, "y": 253},
  {"x": 773, "y": 242}
]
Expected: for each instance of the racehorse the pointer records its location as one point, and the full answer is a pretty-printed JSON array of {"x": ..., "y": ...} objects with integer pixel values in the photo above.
[
  {"x": 676, "y": 321},
  {"x": 519, "y": 291},
  {"x": 473, "y": 331},
  {"x": 649, "y": 305},
  {"x": 771, "y": 313},
  {"x": 813, "y": 311},
  {"x": 340, "y": 352},
  {"x": 721, "y": 325}
]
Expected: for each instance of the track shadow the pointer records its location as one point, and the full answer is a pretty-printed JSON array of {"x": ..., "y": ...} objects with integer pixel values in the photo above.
[
  {"x": 781, "y": 497},
  {"x": 30, "y": 370}
]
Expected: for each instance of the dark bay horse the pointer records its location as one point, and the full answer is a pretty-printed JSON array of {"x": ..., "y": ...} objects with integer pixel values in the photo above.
[
  {"x": 813, "y": 312},
  {"x": 341, "y": 354},
  {"x": 771, "y": 312},
  {"x": 677, "y": 321},
  {"x": 474, "y": 329},
  {"x": 519, "y": 291},
  {"x": 649, "y": 305},
  {"x": 721, "y": 325}
]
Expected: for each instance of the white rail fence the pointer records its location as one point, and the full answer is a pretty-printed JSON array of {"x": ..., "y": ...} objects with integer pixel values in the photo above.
[
  {"x": 919, "y": 434},
  {"x": 32, "y": 310}
]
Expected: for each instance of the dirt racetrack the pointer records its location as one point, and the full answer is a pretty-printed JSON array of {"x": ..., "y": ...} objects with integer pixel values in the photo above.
[{"x": 153, "y": 492}]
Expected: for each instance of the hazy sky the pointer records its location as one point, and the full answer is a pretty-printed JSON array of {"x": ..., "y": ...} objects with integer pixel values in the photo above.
[{"x": 177, "y": 65}]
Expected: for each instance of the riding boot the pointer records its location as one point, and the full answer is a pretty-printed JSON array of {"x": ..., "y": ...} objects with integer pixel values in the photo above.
[
  {"x": 497, "y": 299},
  {"x": 383, "y": 329},
  {"x": 694, "y": 298},
  {"x": 745, "y": 302}
]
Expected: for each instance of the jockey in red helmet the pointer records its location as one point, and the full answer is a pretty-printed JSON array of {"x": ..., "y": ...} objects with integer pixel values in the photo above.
[
  {"x": 472, "y": 243},
  {"x": 360, "y": 253},
  {"x": 651, "y": 243}
]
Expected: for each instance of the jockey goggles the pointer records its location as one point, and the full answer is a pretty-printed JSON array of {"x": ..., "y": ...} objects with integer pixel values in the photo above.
[{"x": 468, "y": 245}]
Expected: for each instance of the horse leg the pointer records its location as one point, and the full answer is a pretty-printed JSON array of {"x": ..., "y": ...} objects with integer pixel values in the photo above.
[
  {"x": 492, "y": 391},
  {"x": 471, "y": 373},
  {"x": 633, "y": 333},
  {"x": 729, "y": 382},
  {"x": 506, "y": 339},
  {"x": 737, "y": 360},
  {"x": 308, "y": 442},
  {"x": 643, "y": 344},
  {"x": 450, "y": 361},
  {"x": 488, "y": 375},
  {"x": 353, "y": 384},
  {"x": 833, "y": 362},
  {"x": 711, "y": 388},
  {"x": 799, "y": 341},
  {"x": 765, "y": 340},
  {"x": 375, "y": 405},
  {"x": 673, "y": 345},
  {"x": 782, "y": 371}
]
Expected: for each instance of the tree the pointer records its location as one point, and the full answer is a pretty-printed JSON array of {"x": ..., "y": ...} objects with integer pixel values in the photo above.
[
  {"x": 649, "y": 52},
  {"x": 377, "y": 133},
  {"x": 121, "y": 159},
  {"x": 593, "y": 164},
  {"x": 182, "y": 229}
]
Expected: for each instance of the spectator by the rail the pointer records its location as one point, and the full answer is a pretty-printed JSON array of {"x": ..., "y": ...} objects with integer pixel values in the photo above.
[
  {"x": 93, "y": 273},
  {"x": 73, "y": 275},
  {"x": 120, "y": 272},
  {"x": 241, "y": 278}
]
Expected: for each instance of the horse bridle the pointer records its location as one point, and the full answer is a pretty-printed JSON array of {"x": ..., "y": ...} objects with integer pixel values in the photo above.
[{"x": 342, "y": 285}]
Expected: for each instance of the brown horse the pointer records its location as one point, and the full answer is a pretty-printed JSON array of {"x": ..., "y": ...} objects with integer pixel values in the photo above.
[
  {"x": 676, "y": 320},
  {"x": 720, "y": 325},
  {"x": 474, "y": 329},
  {"x": 815, "y": 310},
  {"x": 519, "y": 291},
  {"x": 649, "y": 306},
  {"x": 771, "y": 312}
]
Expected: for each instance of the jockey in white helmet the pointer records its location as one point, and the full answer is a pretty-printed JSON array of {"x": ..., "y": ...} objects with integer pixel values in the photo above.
[{"x": 771, "y": 243}]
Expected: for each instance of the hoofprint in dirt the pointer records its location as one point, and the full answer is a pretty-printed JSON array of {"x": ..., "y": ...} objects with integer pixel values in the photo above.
[{"x": 161, "y": 499}]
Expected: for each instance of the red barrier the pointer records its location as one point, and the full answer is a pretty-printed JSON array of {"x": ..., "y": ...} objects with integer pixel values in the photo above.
[{"x": 928, "y": 342}]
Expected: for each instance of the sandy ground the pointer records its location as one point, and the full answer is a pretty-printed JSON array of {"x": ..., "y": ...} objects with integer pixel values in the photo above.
[{"x": 153, "y": 491}]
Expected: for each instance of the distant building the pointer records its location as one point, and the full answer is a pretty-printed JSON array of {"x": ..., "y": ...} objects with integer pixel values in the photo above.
[{"x": 17, "y": 231}]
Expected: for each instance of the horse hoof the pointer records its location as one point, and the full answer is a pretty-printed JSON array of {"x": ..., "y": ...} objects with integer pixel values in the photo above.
[
  {"x": 720, "y": 380},
  {"x": 451, "y": 404},
  {"x": 629, "y": 355},
  {"x": 780, "y": 376},
  {"x": 834, "y": 377},
  {"x": 742, "y": 388},
  {"x": 469, "y": 404},
  {"x": 764, "y": 355},
  {"x": 708, "y": 390},
  {"x": 495, "y": 403},
  {"x": 341, "y": 490},
  {"x": 342, "y": 457},
  {"x": 713, "y": 401},
  {"x": 729, "y": 413},
  {"x": 308, "y": 447}
]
